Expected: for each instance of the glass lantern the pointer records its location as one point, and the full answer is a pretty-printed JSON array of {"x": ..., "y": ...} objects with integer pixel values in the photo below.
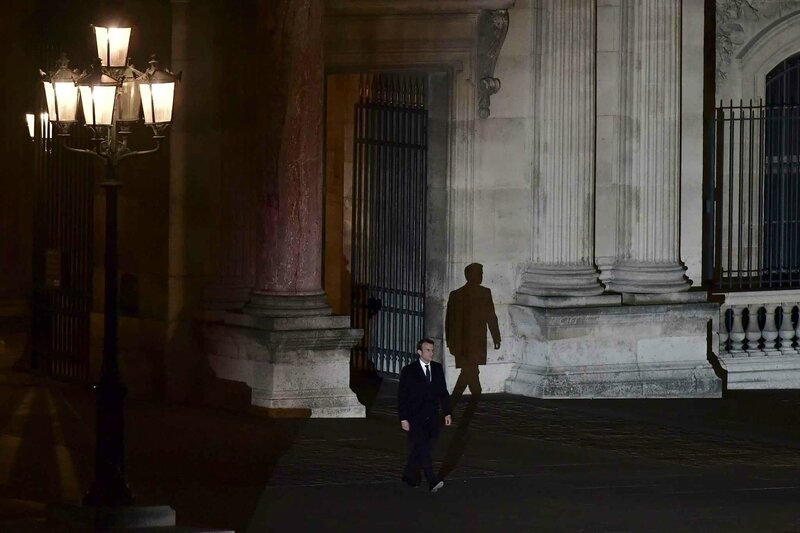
[
  {"x": 157, "y": 86},
  {"x": 98, "y": 96},
  {"x": 112, "y": 45},
  {"x": 130, "y": 100},
  {"x": 61, "y": 92}
]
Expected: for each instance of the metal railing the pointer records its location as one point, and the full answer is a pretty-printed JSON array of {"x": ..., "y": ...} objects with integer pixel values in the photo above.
[{"x": 753, "y": 208}]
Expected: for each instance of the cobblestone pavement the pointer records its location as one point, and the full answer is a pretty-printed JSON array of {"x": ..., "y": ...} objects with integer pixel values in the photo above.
[
  {"x": 511, "y": 464},
  {"x": 503, "y": 417},
  {"x": 521, "y": 464}
]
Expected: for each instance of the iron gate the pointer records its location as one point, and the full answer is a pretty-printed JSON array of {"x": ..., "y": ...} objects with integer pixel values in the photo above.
[
  {"x": 62, "y": 254},
  {"x": 753, "y": 204},
  {"x": 389, "y": 197},
  {"x": 756, "y": 197}
]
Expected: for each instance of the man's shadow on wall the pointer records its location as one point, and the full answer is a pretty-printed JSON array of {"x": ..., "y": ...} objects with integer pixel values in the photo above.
[{"x": 470, "y": 312}]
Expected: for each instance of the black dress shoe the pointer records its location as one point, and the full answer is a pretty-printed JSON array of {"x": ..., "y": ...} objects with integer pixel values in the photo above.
[{"x": 436, "y": 487}]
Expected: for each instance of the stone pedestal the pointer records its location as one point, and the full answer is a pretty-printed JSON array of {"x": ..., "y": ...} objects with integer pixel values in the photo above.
[
  {"x": 295, "y": 366},
  {"x": 642, "y": 351}
]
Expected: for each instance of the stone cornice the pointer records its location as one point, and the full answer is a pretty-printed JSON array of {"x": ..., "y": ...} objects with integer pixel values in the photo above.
[{"x": 393, "y": 7}]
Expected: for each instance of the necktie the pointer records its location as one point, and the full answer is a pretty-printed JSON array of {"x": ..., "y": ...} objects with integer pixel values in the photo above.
[{"x": 428, "y": 372}]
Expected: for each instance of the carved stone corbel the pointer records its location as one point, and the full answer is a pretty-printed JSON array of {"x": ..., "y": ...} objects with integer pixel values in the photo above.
[{"x": 492, "y": 29}]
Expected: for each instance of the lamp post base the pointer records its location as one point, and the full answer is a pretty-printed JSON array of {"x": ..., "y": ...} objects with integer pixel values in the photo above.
[{"x": 90, "y": 518}]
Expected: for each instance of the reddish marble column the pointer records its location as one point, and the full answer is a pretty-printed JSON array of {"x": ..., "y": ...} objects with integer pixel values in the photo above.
[{"x": 289, "y": 227}]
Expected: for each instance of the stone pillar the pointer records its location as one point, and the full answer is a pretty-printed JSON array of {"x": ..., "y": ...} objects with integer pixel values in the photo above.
[
  {"x": 286, "y": 345},
  {"x": 289, "y": 228},
  {"x": 647, "y": 256},
  {"x": 230, "y": 187},
  {"x": 563, "y": 175}
]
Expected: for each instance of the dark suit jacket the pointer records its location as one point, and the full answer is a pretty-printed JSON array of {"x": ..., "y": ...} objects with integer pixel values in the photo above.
[
  {"x": 470, "y": 311},
  {"x": 417, "y": 400}
]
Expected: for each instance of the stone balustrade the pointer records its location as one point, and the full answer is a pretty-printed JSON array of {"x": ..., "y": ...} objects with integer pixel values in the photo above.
[{"x": 768, "y": 329}]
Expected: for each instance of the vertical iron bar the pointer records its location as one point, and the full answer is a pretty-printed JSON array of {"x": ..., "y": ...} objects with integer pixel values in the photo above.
[
  {"x": 423, "y": 205},
  {"x": 389, "y": 214},
  {"x": 380, "y": 175},
  {"x": 770, "y": 228},
  {"x": 741, "y": 196},
  {"x": 731, "y": 175},
  {"x": 719, "y": 187},
  {"x": 750, "y": 198},
  {"x": 760, "y": 219},
  {"x": 397, "y": 230},
  {"x": 782, "y": 198},
  {"x": 792, "y": 204},
  {"x": 374, "y": 242},
  {"x": 408, "y": 216}
]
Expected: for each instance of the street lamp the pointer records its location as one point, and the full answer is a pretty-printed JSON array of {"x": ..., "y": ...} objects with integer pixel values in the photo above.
[
  {"x": 110, "y": 97},
  {"x": 61, "y": 93}
]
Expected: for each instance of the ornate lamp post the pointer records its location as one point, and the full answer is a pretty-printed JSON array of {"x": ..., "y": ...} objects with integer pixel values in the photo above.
[{"x": 112, "y": 92}]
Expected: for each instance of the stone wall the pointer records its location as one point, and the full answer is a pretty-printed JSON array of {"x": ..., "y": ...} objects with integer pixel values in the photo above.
[{"x": 502, "y": 203}]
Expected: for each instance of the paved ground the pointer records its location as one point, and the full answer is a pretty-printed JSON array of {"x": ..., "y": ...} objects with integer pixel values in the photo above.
[{"x": 511, "y": 464}]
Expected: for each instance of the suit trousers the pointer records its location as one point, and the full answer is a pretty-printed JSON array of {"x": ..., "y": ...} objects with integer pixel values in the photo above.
[{"x": 420, "y": 437}]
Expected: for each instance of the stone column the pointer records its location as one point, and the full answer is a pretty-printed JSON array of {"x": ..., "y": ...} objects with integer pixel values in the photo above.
[
  {"x": 647, "y": 256},
  {"x": 289, "y": 228},
  {"x": 563, "y": 175},
  {"x": 286, "y": 345}
]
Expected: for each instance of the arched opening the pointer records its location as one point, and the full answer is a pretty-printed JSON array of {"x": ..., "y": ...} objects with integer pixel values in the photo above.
[
  {"x": 782, "y": 173},
  {"x": 783, "y": 82}
]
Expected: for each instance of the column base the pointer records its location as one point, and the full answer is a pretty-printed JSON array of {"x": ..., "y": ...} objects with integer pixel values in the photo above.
[
  {"x": 295, "y": 366},
  {"x": 649, "y": 278},
  {"x": 284, "y": 305},
  {"x": 560, "y": 280},
  {"x": 655, "y": 351}
]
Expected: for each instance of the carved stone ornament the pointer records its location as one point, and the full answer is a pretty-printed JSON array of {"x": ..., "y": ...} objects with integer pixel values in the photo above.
[
  {"x": 492, "y": 29},
  {"x": 729, "y": 32},
  {"x": 741, "y": 23}
]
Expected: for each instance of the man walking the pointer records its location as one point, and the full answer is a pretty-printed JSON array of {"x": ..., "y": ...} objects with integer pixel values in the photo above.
[{"x": 422, "y": 388}]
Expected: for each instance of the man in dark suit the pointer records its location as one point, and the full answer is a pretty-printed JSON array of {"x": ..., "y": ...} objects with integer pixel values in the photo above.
[
  {"x": 422, "y": 388},
  {"x": 470, "y": 311}
]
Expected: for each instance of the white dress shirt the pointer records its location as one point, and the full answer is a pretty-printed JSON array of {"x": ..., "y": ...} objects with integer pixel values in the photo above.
[{"x": 424, "y": 365}]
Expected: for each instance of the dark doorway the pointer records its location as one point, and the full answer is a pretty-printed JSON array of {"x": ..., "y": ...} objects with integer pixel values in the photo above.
[{"x": 375, "y": 271}]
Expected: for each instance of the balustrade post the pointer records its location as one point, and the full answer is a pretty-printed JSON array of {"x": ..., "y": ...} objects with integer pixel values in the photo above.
[
  {"x": 753, "y": 332},
  {"x": 737, "y": 334},
  {"x": 786, "y": 331},
  {"x": 770, "y": 332},
  {"x": 723, "y": 329}
]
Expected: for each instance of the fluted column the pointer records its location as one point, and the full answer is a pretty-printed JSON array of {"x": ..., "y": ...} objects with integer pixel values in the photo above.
[
  {"x": 563, "y": 179},
  {"x": 647, "y": 257},
  {"x": 289, "y": 229}
]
